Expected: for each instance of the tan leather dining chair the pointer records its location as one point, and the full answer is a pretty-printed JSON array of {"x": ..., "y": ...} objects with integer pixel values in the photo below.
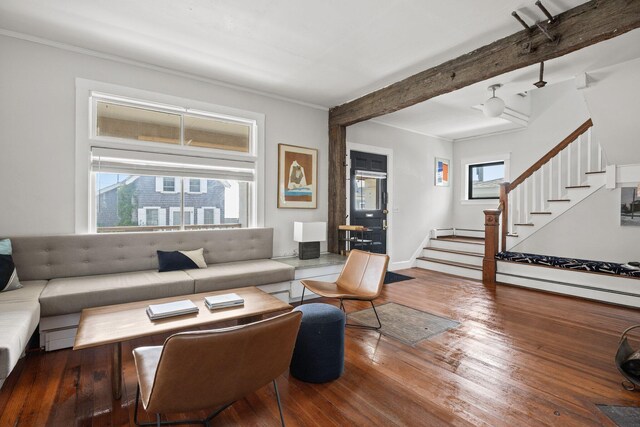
[
  {"x": 361, "y": 279},
  {"x": 199, "y": 370}
]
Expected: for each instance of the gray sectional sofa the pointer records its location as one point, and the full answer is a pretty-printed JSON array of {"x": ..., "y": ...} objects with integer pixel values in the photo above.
[{"x": 64, "y": 274}]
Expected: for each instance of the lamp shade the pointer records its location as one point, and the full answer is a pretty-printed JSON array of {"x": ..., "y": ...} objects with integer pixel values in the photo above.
[
  {"x": 493, "y": 107},
  {"x": 309, "y": 231}
]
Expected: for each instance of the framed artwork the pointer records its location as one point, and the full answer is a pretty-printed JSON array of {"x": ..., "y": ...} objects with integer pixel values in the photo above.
[
  {"x": 297, "y": 177},
  {"x": 442, "y": 172},
  {"x": 630, "y": 206}
]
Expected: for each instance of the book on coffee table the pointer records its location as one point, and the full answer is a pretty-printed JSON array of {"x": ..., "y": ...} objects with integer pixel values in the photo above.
[
  {"x": 223, "y": 301},
  {"x": 170, "y": 309}
]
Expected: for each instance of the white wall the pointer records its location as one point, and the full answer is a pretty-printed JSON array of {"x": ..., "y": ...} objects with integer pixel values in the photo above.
[
  {"x": 591, "y": 230},
  {"x": 37, "y": 135},
  {"x": 417, "y": 204},
  {"x": 556, "y": 111},
  {"x": 613, "y": 98}
]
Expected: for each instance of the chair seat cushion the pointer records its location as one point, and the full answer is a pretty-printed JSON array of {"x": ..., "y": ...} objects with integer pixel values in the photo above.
[
  {"x": 332, "y": 290},
  {"x": 146, "y": 359},
  {"x": 240, "y": 274},
  {"x": 72, "y": 294},
  {"x": 19, "y": 316}
]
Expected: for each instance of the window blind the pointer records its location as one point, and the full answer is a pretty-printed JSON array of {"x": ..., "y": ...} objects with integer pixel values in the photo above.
[{"x": 133, "y": 162}]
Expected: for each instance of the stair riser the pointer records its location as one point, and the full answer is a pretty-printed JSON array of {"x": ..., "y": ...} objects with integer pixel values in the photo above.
[
  {"x": 456, "y": 246},
  {"x": 451, "y": 269},
  {"x": 448, "y": 256},
  {"x": 566, "y": 289}
]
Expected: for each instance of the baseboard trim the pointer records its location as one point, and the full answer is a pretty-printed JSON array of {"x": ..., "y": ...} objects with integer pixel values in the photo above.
[{"x": 400, "y": 265}]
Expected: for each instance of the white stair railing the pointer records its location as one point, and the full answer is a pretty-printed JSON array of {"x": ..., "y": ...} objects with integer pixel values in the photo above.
[{"x": 549, "y": 180}]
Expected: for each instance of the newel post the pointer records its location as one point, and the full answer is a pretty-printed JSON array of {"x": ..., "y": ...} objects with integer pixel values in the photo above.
[{"x": 491, "y": 237}]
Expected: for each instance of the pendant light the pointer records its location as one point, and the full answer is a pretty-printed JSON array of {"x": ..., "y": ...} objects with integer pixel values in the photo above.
[{"x": 494, "y": 106}]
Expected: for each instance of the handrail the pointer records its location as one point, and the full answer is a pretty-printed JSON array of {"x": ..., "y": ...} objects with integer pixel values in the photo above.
[{"x": 550, "y": 155}]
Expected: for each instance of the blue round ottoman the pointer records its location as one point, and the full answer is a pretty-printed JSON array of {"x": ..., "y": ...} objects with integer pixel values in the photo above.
[{"x": 318, "y": 356}]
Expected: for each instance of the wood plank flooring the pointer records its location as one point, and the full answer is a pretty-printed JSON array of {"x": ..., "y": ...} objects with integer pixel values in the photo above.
[{"x": 519, "y": 357}]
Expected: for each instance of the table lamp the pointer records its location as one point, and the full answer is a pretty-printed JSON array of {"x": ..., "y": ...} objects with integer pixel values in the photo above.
[{"x": 309, "y": 235}]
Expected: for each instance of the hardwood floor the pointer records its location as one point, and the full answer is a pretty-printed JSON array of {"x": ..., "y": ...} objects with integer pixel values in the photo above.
[{"x": 519, "y": 357}]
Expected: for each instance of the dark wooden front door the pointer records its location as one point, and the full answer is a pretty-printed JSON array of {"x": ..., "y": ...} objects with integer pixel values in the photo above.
[{"x": 369, "y": 198}]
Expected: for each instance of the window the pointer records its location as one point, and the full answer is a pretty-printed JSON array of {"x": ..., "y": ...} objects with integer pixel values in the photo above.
[
  {"x": 168, "y": 124},
  {"x": 484, "y": 180},
  {"x": 131, "y": 203},
  {"x": 194, "y": 185},
  {"x": 168, "y": 185},
  {"x": 151, "y": 216},
  {"x": 367, "y": 194},
  {"x": 158, "y": 165}
]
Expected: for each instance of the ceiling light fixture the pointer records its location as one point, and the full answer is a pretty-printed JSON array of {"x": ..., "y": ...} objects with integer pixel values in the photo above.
[
  {"x": 541, "y": 83},
  {"x": 494, "y": 106}
]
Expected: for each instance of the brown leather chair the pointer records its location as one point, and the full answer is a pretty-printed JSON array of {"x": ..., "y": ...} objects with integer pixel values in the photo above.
[
  {"x": 212, "y": 369},
  {"x": 361, "y": 279}
]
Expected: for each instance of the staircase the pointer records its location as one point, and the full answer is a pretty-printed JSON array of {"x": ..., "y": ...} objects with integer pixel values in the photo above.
[
  {"x": 454, "y": 251},
  {"x": 569, "y": 173}
]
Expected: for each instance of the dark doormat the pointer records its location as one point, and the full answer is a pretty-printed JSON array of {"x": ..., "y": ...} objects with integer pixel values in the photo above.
[
  {"x": 622, "y": 416},
  {"x": 405, "y": 323},
  {"x": 391, "y": 277}
]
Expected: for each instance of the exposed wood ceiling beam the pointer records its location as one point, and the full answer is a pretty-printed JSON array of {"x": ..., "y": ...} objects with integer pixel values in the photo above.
[{"x": 582, "y": 26}]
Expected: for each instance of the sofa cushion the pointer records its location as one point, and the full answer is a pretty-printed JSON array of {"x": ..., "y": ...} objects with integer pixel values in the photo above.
[
  {"x": 239, "y": 274},
  {"x": 71, "y": 295},
  {"x": 19, "y": 316}
]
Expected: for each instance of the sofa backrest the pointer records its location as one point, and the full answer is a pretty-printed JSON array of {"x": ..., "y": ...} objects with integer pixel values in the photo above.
[{"x": 50, "y": 257}]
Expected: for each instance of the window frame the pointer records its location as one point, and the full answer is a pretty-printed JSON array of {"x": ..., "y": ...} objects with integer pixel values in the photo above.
[
  {"x": 470, "y": 178},
  {"x": 85, "y": 201}
]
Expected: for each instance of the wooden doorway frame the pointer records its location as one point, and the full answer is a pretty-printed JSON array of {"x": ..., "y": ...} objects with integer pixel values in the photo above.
[{"x": 384, "y": 151}]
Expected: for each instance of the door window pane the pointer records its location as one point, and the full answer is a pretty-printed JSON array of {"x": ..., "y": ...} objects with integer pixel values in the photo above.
[
  {"x": 137, "y": 123},
  {"x": 367, "y": 198},
  {"x": 213, "y": 133},
  {"x": 485, "y": 180}
]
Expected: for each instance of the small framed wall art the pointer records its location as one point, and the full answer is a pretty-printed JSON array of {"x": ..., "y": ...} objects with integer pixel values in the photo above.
[
  {"x": 297, "y": 177},
  {"x": 442, "y": 172}
]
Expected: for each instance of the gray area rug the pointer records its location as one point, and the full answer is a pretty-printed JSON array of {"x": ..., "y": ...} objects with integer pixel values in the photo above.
[
  {"x": 404, "y": 323},
  {"x": 623, "y": 416}
]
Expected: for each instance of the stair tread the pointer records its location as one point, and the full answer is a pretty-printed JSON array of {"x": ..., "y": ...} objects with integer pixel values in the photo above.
[
  {"x": 527, "y": 224},
  {"x": 559, "y": 200},
  {"x": 462, "y": 239},
  {"x": 594, "y": 172},
  {"x": 540, "y": 213},
  {"x": 452, "y": 263},
  {"x": 452, "y": 251},
  {"x": 578, "y": 186}
]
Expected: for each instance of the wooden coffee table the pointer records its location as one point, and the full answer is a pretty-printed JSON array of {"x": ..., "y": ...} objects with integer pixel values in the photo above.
[{"x": 114, "y": 324}]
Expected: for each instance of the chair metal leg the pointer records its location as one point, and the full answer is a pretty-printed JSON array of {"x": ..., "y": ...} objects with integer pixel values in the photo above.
[
  {"x": 275, "y": 387},
  {"x": 302, "y": 298},
  {"x": 158, "y": 422},
  {"x": 355, "y": 325}
]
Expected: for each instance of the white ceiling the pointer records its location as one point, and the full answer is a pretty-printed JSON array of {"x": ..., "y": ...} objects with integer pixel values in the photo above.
[
  {"x": 319, "y": 52},
  {"x": 452, "y": 116}
]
